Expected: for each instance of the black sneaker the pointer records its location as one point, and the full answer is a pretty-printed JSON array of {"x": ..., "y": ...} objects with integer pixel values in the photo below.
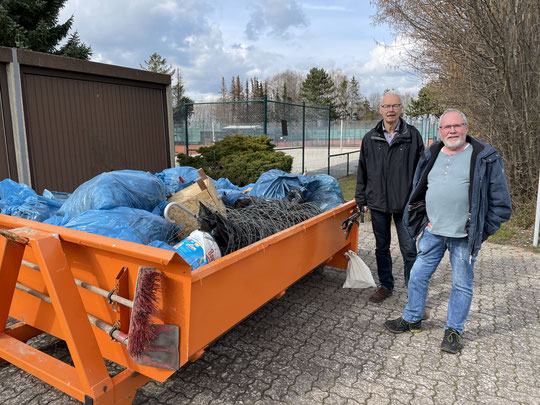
[
  {"x": 452, "y": 342},
  {"x": 400, "y": 325}
]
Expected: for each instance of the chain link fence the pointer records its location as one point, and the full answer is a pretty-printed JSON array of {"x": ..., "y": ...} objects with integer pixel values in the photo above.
[
  {"x": 303, "y": 131},
  {"x": 346, "y": 140},
  {"x": 300, "y": 130}
]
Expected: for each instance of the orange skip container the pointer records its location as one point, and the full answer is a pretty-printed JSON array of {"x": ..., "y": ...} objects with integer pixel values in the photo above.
[{"x": 204, "y": 303}]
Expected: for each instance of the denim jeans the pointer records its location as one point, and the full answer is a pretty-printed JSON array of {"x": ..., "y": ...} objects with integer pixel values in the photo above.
[
  {"x": 381, "y": 223},
  {"x": 431, "y": 249}
]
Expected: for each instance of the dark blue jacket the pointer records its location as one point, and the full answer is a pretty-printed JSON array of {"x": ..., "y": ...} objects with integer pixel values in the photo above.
[{"x": 489, "y": 198}]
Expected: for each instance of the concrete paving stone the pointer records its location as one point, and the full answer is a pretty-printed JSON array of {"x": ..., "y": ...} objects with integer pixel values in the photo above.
[
  {"x": 335, "y": 399},
  {"x": 373, "y": 387},
  {"x": 303, "y": 383},
  {"x": 466, "y": 388},
  {"x": 279, "y": 388},
  {"x": 486, "y": 399},
  {"x": 398, "y": 383},
  {"x": 533, "y": 392},
  {"x": 426, "y": 400},
  {"x": 400, "y": 397},
  {"x": 511, "y": 394},
  {"x": 486, "y": 383},
  {"x": 317, "y": 396},
  {"x": 375, "y": 399},
  {"x": 253, "y": 392},
  {"x": 445, "y": 392},
  {"x": 334, "y": 363}
]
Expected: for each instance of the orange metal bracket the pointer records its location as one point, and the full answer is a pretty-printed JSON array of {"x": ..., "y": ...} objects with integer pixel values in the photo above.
[
  {"x": 122, "y": 284},
  {"x": 88, "y": 380}
]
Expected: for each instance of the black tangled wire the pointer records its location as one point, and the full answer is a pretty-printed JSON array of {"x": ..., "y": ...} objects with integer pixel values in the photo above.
[{"x": 251, "y": 219}]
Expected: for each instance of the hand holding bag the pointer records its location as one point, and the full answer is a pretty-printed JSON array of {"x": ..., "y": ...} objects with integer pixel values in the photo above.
[{"x": 358, "y": 273}]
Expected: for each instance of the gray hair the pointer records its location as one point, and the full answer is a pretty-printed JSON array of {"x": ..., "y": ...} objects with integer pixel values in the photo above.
[
  {"x": 391, "y": 93},
  {"x": 452, "y": 110}
]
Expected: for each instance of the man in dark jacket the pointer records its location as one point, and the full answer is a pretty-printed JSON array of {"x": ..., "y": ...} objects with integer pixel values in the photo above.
[
  {"x": 460, "y": 198},
  {"x": 388, "y": 157}
]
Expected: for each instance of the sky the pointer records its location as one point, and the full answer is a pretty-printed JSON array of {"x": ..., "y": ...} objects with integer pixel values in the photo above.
[{"x": 211, "y": 39}]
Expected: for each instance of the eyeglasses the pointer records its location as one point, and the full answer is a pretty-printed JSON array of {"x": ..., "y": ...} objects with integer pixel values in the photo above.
[
  {"x": 455, "y": 126},
  {"x": 388, "y": 106}
]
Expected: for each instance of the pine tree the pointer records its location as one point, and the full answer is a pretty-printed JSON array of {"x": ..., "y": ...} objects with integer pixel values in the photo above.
[
  {"x": 223, "y": 92},
  {"x": 34, "y": 25},
  {"x": 239, "y": 90},
  {"x": 353, "y": 95},
  {"x": 180, "y": 100},
  {"x": 342, "y": 100},
  {"x": 232, "y": 90},
  {"x": 158, "y": 64},
  {"x": 425, "y": 104},
  {"x": 318, "y": 88}
]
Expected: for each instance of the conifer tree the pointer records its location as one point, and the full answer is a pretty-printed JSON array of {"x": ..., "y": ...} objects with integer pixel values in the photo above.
[{"x": 34, "y": 25}]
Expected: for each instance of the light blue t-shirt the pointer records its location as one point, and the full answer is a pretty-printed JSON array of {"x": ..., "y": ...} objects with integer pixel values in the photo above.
[{"x": 447, "y": 196}]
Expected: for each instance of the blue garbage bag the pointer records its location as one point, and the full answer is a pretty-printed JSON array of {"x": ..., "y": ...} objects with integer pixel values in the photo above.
[
  {"x": 325, "y": 192},
  {"x": 230, "y": 192},
  {"x": 56, "y": 195},
  {"x": 131, "y": 224},
  {"x": 229, "y": 197},
  {"x": 178, "y": 178},
  {"x": 122, "y": 188},
  {"x": 277, "y": 184},
  {"x": 21, "y": 201}
]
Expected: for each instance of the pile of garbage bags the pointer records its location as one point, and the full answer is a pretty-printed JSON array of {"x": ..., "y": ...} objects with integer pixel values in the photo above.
[{"x": 129, "y": 204}]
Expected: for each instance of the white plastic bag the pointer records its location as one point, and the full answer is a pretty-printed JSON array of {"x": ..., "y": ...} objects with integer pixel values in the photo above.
[
  {"x": 198, "y": 249},
  {"x": 358, "y": 273}
]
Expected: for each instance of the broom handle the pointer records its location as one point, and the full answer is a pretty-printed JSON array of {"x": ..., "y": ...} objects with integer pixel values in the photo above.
[
  {"x": 117, "y": 335},
  {"x": 90, "y": 287}
]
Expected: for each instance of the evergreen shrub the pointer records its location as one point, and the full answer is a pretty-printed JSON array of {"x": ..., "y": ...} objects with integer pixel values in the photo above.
[{"x": 240, "y": 158}]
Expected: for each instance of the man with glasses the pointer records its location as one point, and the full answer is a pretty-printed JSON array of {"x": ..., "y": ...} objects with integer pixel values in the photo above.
[
  {"x": 460, "y": 198},
  {"x": 388, "y": 158}
]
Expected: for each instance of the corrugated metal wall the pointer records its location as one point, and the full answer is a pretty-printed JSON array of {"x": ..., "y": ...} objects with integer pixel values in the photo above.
[
  {"x": 8, "y": 164},
  {"x": 83, "y": 118},
  {"x": 77, "y": 128}
]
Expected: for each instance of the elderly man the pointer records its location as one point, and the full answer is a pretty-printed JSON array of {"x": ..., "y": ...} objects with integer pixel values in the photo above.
[
  {"x": 460, "y": 197},
  {"x": 388, "y": 157}
]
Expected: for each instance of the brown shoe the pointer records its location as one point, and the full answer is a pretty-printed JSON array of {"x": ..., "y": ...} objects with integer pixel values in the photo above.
[
  {"x": 380, "y": 295},
  {"x": 426, "y": 315}
]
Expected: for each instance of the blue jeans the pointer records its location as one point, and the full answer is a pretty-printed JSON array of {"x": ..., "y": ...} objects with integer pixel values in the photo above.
[
  {"x": 381, "y": 223},
  {"x": 431, "y": 249}
]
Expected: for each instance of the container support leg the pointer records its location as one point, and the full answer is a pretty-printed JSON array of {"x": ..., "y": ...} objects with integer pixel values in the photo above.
[{"x": 88, "y": 380}]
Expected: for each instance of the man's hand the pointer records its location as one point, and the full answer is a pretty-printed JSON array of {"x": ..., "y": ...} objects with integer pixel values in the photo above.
[{"x": 363, "y": 208}]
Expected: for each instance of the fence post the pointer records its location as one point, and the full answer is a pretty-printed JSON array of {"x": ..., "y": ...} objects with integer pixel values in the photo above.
[
  {"x": 329, "y": 140},
  {"x": 186, "y": 122},
  {"x": 303, "y": 134},
  {"x": 17, "y": 118},
  {"x": 265, "y": 112},
  {"x": 537, "y": 219}
]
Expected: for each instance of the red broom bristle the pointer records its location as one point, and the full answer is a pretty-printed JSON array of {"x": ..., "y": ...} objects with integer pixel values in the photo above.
[{"x": 141, "y": 334}]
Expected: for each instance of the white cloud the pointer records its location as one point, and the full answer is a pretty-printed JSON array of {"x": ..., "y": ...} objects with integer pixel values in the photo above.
[
  {"x": 274, "y": 17},
  {"x": 387, "y": 67}
]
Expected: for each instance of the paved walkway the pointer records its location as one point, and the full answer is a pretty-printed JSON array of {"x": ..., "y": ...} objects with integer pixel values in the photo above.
[{"x": 321, "y": 344}]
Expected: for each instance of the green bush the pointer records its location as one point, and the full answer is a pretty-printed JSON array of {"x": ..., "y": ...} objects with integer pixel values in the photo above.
[{"x": 240, "y": 158}]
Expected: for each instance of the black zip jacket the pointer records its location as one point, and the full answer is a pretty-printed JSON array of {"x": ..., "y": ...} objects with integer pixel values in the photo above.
[{"x": 385, "y": 172}]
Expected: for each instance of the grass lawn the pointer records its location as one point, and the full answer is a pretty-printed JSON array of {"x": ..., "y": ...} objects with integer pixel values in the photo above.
[
  {"x": 511, "y": 233},
  {"x": 348, "y": 186}
]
